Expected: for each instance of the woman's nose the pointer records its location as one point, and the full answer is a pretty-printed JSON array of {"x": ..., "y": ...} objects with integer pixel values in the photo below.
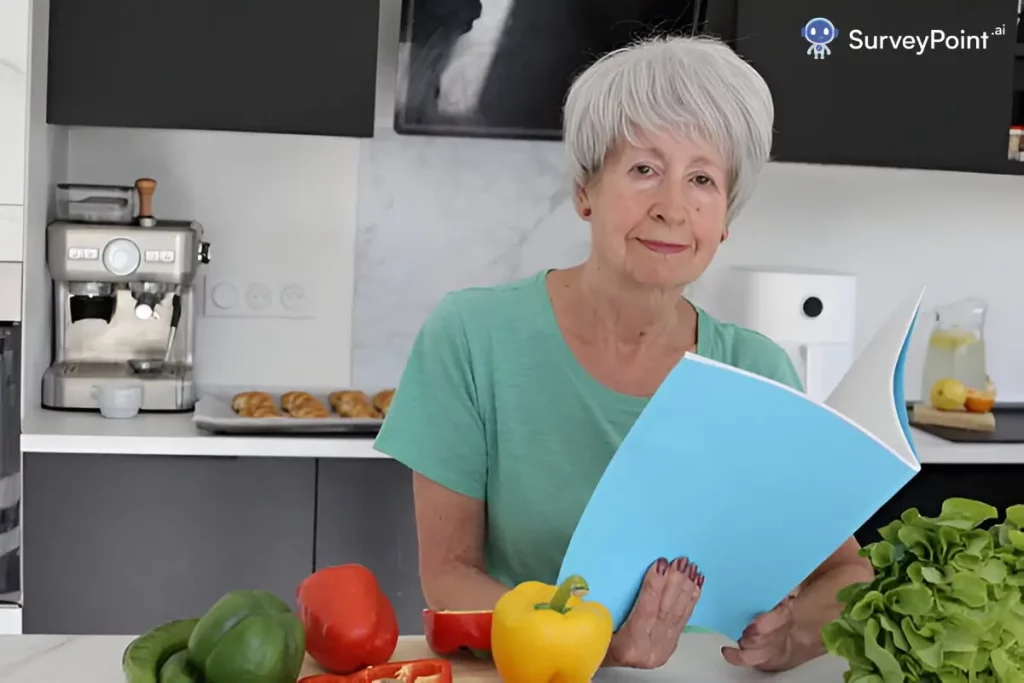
[{"x": 672, "y": 205}]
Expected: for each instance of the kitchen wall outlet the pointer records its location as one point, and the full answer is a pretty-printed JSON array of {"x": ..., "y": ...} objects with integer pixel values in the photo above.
[{"x": 258, "y": 298}]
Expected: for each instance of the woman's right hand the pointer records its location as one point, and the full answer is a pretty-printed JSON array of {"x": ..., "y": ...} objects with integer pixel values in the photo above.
[{"x": 650, "y": 634}]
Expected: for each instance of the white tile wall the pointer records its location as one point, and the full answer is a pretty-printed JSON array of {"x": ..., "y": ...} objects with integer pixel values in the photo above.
[
  {"x": 273, "y": 206},
  {"x": 10, "y": 291},
  {"x": 12, "y": 231},
  {"x": 14, "y": 32},
  {"x": 47, "y": 165}
]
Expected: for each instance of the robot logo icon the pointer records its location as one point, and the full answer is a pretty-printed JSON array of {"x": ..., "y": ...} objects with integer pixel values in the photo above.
[{"x": 819, "y": 32}]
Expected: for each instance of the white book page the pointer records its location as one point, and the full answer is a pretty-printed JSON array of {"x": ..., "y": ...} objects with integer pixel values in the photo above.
[{"x": 866, "y": 393}]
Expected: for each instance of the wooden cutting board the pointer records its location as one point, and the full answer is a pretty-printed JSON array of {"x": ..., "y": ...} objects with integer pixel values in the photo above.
[
  {"x": 697, "y": 660},
  {"x": 470, "y": 670},
  {"x": 978, "y": 422}
]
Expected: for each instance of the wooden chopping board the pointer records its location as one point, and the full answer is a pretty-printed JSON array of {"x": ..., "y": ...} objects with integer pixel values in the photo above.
[
  {"x": 470, "y": 670},
  {"x": 924, "y": 414},
  {"x": 697, "y": 660}
]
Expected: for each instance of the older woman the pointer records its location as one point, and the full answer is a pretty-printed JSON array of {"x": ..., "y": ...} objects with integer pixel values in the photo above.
[{"x": 515, "y": 397}]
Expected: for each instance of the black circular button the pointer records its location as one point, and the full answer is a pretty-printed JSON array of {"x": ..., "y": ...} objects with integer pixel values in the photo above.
[{"x": 813, "y": 307}]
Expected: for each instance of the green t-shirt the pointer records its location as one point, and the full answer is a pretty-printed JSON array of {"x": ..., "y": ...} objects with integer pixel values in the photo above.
[{"x": 494, "y": 405}]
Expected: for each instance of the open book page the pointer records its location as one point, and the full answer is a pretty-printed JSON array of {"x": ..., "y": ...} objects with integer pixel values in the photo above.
[
  {"x": 752, "y": 480},
  {"x": 871, "y": 393}
]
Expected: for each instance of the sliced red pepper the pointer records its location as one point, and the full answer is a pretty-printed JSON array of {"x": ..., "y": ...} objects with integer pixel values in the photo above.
[
  {"x": 413, "y": 671},
  {"x": 450, "y": 633}
]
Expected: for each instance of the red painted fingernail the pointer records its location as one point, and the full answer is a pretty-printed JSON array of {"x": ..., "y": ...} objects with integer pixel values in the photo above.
[
  {"x": 680, "y": 564},
  {"x": 700, "y": 581},
  {"x": 662, "y": 565},
  {"x": 693, "y": 571}
]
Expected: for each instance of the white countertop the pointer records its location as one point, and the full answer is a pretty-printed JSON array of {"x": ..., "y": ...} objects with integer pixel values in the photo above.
[
  {"x": 49, "y": 431},
  {"x": 52, "y": 431},
  {"x": 97, "y": 659},
  {"x": 931, "y": 450}
]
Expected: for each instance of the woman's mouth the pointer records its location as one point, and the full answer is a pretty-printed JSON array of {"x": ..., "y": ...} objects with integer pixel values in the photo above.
[{"x": 663, "y": 247}]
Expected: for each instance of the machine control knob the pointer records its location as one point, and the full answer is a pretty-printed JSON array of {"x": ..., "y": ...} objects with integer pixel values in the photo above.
[
  {"x": 121, "y": 257},
  {"x": 204, "y": 252}
]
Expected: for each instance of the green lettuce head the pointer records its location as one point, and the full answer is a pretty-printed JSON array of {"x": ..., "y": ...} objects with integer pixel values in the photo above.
[{"x": 946, "y": 602}]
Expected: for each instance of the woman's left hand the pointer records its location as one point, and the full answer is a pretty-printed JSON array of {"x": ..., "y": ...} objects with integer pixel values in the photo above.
[{"x": 767, "y": 643}]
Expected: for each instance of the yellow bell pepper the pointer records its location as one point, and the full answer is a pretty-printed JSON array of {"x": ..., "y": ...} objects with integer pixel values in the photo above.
[{"x": 540, "y": 633}]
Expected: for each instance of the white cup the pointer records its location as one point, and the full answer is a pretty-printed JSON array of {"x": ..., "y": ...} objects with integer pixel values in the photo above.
[{"x": 118, "y": 399}]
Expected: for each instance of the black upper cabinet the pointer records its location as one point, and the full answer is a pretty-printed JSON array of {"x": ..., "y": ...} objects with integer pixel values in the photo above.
[
  {"x": 909, "y": 106},
  {"x": 305, "y": 67},
  {"x": 540, "y": 47}
]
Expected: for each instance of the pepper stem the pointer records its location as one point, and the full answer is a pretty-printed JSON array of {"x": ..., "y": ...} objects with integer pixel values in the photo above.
[{"x": 575, "y": 586}]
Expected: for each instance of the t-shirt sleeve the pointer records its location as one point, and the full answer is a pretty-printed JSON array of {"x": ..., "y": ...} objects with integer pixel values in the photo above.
[
  {"x": 434, "y": 426},
  {"x": 781, "y": 369}
]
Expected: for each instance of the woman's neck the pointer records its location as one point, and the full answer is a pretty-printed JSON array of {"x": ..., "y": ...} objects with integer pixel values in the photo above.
[{"x": 606, "y": 305}]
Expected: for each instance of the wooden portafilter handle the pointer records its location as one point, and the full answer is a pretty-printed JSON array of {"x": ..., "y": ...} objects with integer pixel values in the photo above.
[{"x": 145, "y": 187}]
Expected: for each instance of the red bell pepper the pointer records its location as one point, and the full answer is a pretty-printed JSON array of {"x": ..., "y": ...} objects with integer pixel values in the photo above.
[
  {"x": 415, "y": 671},
  {"x": 450, "y": 633},
  {"x": 350, "y": 624}
]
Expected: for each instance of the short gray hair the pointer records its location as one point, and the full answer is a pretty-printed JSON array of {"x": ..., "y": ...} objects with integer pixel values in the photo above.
[{"x": 694, "y": 86}]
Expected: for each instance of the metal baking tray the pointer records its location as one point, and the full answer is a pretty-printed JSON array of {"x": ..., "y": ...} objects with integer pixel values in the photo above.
[{"x": 214, "y": 414}]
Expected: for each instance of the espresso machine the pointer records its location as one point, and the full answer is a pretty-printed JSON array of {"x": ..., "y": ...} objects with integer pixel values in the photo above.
[{"x": 124, "y": 303}]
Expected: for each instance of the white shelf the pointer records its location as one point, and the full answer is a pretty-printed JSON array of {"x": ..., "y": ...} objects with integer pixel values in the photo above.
[
  {"x": 51, "y": 431},
  {"x": 47, "y": 431},
  {"x": 932, "y": 451}
]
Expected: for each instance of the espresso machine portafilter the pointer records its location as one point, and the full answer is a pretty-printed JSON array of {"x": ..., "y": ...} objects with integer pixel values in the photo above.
[{"x": 124, "y": 307}]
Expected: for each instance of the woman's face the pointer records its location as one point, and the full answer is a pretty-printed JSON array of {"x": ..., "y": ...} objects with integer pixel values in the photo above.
[{"x": 657, "y": 210}]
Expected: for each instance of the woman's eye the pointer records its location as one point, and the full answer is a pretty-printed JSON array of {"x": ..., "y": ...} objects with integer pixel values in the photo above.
[
  {"x": 703, "y": 180},
  {"x": 643, "y": 169}
]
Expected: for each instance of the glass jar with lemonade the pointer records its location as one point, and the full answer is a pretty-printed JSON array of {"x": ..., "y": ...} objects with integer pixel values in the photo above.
[{"x": 956, "y": 347}]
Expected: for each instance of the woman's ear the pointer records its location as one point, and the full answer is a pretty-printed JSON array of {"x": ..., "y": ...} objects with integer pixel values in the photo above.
[
  {"x": 725, "y": 234},
  {"x": 581, "y": 202}
]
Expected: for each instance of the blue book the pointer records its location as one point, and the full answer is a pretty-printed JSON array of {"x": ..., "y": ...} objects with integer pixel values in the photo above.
[{"x": 751, "y": 480}]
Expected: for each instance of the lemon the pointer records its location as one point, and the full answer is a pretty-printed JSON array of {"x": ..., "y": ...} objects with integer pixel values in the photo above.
[
  {"x": 953, "y": 339},
  {"x": 948, "y": 394}
]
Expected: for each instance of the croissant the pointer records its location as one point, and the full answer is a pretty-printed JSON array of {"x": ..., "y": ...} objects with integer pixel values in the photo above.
[
  {"x": 347, "y": 403},
  {"x": 301, "y": 404},
  {"x": 262, "y": 411},
  {"x": 309, "y": 410},
  {"x": 292, "y": 398},
  {"x": 250, "y": 400},
  {"x": 363, "y": 411},
  {"x": 382, "y": 400}
]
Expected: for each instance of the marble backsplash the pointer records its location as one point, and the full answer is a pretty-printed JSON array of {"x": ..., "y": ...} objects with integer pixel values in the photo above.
[{"x": 437, "y": 214}]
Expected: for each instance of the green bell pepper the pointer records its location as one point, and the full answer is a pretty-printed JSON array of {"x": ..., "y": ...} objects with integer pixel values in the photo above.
[{"x": 248, "y": 637}]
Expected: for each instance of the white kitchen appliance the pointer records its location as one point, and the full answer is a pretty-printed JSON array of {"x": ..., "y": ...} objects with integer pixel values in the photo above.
[
  {"x": 124, "y": 308},
  {"x": 809, "y": 313}
]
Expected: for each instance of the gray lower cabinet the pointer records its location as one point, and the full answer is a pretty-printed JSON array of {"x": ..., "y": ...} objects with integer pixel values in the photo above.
[
  {"x": 365, "y": 515},
  {"x": 116, "y": 544}
]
